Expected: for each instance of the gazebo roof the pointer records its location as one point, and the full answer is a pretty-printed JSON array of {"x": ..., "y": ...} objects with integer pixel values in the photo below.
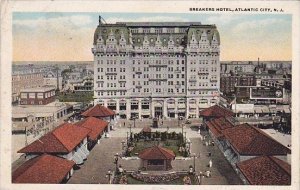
[
  {"x": 146, "y": 129},
  {"x": 157, "y": 153},
  {"x": 98, "y": 111},
  {"x": 216, "y": 111}
]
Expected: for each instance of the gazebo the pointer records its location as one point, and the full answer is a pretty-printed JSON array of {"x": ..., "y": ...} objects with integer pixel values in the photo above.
[
  {"x": 146, "y": 132},
  {"x": 156, "y": 158}
]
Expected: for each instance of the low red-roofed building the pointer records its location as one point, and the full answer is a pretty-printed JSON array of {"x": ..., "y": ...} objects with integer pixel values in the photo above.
[
  {"x": 215, "y": 111},
  {"x": 97, "y": 128},
  {"x": 100, "y": 112},
  {"x": 265, "y": 170},
  {"x": 156, "y": 158},
  {"x": 67, "y": 141},
  {"x": 44, "y": 169},
  {"x": 243, "y": 142}
]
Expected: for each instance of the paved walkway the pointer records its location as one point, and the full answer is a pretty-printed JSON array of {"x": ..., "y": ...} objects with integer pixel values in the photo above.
[{"x": 101, "y": 160}]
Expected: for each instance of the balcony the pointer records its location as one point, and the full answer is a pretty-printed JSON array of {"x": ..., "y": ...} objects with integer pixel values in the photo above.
[
  {"x": 177, "y": 86},
  {"x": 213, "y": 80},
  {"x": 138, "y": 72},
  {"x": 192, "y": 80},
  {"x": 177, "y": 71},
  {"x": 138, "y": 86},
  {"x": 111, "y": 73}
]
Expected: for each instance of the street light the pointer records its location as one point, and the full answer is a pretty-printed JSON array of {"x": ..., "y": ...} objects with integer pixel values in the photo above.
[
  {"x": 194, "y": 156},
  {"x": 116, "y": 161},
  {"x": 109, "y": 174},
  {"x": 26, "y": 142}
]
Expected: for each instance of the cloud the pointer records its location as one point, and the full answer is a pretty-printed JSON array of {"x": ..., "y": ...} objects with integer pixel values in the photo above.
[
  {"x": 74, "y": 21},
  {"x": 146, "y": 19},
  {"x": 222, "y": 19}
]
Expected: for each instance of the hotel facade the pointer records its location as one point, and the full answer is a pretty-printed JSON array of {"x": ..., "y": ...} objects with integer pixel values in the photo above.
[{"x": 156, "y": 69}]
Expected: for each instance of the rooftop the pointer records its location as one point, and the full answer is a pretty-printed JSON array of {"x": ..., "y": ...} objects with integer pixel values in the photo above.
[
  {"x": 39, "y": 89},
  {"x": 266, "y": 170},
  {"x": 43, "y": 169},
  {"x": 61, "y": 140},
  {"x": 249, "y": 140},
  {"x": 216, "y": 111},
  {"x": 164, "y": 24},
  {"x": 156, "y": 153},
  {"x": 96, "y": 126},
  {"x": 98, "y": 111}
]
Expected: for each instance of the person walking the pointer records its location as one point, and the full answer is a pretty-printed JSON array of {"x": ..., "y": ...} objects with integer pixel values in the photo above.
[{"x": 210, "y": 163}]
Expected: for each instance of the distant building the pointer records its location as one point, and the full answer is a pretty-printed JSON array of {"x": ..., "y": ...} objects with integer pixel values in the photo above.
[
  {"x": 237, "y": 67},
  {"x": 24, "y": 81},
  {"x": 229, "y": 82},
  {"x": 156, "y": 69},
  {"x": 37, "y": 96}
]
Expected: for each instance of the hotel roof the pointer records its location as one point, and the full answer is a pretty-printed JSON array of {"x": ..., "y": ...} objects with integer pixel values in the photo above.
[
  {"x": 61, "y": 140},
  {"x": 43, "y": 169},
  {"x": 266, "y": 170},
  {"x": 96, "y": 126}
]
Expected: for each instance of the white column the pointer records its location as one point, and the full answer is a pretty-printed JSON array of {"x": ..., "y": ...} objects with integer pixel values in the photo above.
[
  {"x": 165, "y": 111},
  {"x": 128, "y": 108},
  {"x": 140, "y": 108}
]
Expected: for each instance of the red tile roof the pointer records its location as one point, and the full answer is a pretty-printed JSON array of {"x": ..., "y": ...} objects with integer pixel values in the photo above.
[
  {"x": 156, "y": 152},
  {"x": 266, "y": 170},
  {"x": 43, "y": 169},
  {"x": 216, "y": 126},
  {"x": 61, "y": 140},
  {"x": 98, "y": 111},
  {"x": 216, "y": 111},
  {"x": 249, "y": 140},
  {"x": 146, "y": 129},
  {"x": 96, "y": 126}
]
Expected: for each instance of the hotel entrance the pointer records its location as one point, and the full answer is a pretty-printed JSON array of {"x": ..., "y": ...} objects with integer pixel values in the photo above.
[{"x": 158, "y": 111}]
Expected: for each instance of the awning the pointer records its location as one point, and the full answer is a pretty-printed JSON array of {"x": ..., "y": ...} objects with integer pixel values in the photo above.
[
  {"x": 77, "y": 159},
  {"x": 193, "y": 106},
  {"x": 171, "y": 106},
  {"x": 265, "y": 110},
  {"x": 257, "y": 110},
  {"x": 85, "y": 151},
  {"x": 287, "y": 110},
  {"x": 81, "y": 153},
  {"x": 181, "y": 106}
]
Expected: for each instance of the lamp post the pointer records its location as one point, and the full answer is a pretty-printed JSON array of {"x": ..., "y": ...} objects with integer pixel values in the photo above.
[
  {"x": 194, "y": 156},
  {"x": 116, "y": 162},
  {"x": 127, "y": 138},
  {"x": 109, "y": 174},
  {"x": 134, "y": 118},
  {"x": 26, "y": 142}
]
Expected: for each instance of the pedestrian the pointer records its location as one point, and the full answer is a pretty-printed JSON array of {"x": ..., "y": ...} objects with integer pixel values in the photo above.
[
  {"x": 209, "y": 154},
  {"x": 210, "y": 163},
  {"x": 206, "y": 143},
  {"x": 124, "y": 123},
  {"x": 213, "y": 143}
]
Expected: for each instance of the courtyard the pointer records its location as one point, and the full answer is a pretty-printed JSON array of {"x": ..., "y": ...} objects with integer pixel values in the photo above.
[{"x": 101, "y": 158}]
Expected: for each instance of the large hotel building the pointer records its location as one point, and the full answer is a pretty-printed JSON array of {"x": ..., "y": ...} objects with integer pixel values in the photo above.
[{"x": 156, "y": 69}]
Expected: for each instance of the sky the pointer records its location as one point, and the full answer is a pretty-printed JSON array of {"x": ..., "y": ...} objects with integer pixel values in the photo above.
[{"x": 69, "y": 36}]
